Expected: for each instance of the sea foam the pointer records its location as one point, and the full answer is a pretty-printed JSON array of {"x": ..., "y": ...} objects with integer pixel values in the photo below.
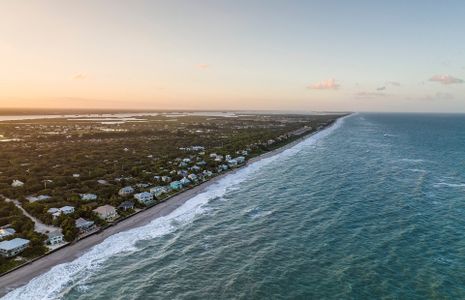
[{"x": 54, "y": 283}]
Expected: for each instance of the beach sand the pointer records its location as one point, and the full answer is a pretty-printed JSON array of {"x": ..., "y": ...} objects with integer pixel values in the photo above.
[{"x": 23, "y": 275}]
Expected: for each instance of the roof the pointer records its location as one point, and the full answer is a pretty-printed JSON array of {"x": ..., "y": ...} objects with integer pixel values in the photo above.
[
  {"x": 66, "y": 207},
  {"x": 13, "y": 244},
  {"x": 54, "y": 234},
  {"x": 105, "y": 209},
  {"x": 83, "y": 222},
  {"x": 7, "y": 231},
  {"x": 127, "y": 204}
]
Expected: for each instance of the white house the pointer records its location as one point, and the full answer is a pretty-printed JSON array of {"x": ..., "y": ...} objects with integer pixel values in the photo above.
[
  {"x": 192, "y": 177},
  {"x": 157, "y": 191},
  {"x": 240, "y": 159},
  {"x": 232, "y": 162},
  {"x": 126, "y": 191},
  {"x": 13, "y": 247},
  {"x": 144, "y": 198},
  {"x": 88, "y": 197},
  {"x": 55, "y": 237},
  {"x": 67, "y": 210},
  {"x": 17, "y": 183},
  {"x": 5, "y": 232},
  {"x": 106, "y": 212},
  {"x": 184, "y": 181}
]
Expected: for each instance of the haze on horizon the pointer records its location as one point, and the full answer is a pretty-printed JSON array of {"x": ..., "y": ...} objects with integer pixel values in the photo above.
[{"x": 247, "y": 55}]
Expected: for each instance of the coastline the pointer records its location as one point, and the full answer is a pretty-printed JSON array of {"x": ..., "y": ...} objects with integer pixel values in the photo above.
[{"x": 21, "y": 276}]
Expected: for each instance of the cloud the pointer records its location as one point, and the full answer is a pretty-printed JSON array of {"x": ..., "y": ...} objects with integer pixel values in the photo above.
[
  {"x": 369, "y": 95},
  {"x": 440, "y": 96},
  {"x": 329, "y": 84},
  {"x": 445, "y": 79},
  {"x": 79, "y": 77},
  {"x": 382, "y": 88},
  {"x": 203, "y": 66},
  {"x": 393, "y": 83}
]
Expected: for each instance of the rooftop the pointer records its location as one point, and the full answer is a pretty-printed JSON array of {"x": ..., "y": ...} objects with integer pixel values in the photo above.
[{"x": 13, "y": 244}]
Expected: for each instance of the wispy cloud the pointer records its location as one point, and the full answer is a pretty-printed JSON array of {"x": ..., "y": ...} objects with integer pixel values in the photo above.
[
  {"x": 369, "y": 95},
  {"x": 80, "y": 77},
  {"x": 445, "y": 79},
  {"x": 393, "y": 83},
  {"x": 203, "y": 66},
  {"x": 329, "y": 84},
  {"x": 381, "y": 88}
]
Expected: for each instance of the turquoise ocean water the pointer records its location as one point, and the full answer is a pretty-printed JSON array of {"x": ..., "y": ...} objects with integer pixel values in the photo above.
[{"x": 372, "y": 208}]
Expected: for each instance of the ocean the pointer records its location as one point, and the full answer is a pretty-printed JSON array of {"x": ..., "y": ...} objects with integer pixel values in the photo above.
[{"x": 371, "y": 208}]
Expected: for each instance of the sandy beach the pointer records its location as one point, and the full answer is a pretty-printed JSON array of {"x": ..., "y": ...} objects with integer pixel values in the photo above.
[{"x": 23, "y": 275}]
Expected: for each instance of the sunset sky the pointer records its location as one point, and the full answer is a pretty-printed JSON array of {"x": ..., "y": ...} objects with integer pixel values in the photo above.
[{"x": 279, "y": 55}]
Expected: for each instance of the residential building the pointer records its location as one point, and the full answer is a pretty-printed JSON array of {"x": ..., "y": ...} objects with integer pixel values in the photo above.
[
  {"x": 106, "y": 212},
  {"x": 145, "y": 198},
  {"x": 185, "y": 181},
  {"x": 13, "y": 247},
  {"x": 67, "y": 210},
  {"x": 55, "y": 237},
  {"x": 6, "y": 232},
  {"x": 176, "y": 185},
  {"x": 126, "y": 205},
  {"x": 83, "y": 225},
  {"x": 157, "y": 191},
  {"x": 126, "y": 191},
  {"x": 88, "y": 197}
]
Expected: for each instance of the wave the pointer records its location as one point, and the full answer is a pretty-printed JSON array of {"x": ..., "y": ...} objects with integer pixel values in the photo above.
[
  {"x": 58, "y": 280},
  {"x": 447, "y": 184}
]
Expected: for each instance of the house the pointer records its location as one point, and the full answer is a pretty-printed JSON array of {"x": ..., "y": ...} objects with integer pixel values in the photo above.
[
  {"x": 232, "y": 162},
  {"x": 185, "y": 181},
  {"x": 145, "y": 198},
  {"x": 126, "y": 205},
  {"x": 192, "y": 177},
  {"x": 5, "y": 232},
  {"x": 83, "y": 225},
  {"x": 157, "y": 190},
  {"x": 183, "y": 173},
  {"x": 126, "y": 191},
  {"x": 17, "y": 183},
  {"x": 166, "y": 179},
  {"x": 76, "y": 175},
  {"x": 88, "y": 197},
  {"x": 176, "y": 185},
  {"x": 13, "y": 247},
  {"x": 240, "y": 159},
  {"x": 55, "y": 237},
  {"x": 106, "y": 212},
  {"x": 67, "y": 210}
]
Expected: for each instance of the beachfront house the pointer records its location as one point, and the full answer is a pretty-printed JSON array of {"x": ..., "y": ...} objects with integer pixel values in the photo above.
[
  {"x": 232, "y": 163},
  {"x": 88, "y": 197},
  {"x": 126, "y": 191},
  {"x": 6, "y": 232},
  {"x": 13, "y": 247},
  {"x": 83, "y": 225},
  {"x": 192, "y": 177},
  {"x": 145, "y": 198},
  {"x": 185, "y": 181},
  {"x": 176, "y": 185},
  {"x": 106, "y": 212},
  {"x": 55, "y": 237},
  {"x": 126, "y": 205},
  {"x": 240, "y": 159},
  {"x": 157, "y": 191}
]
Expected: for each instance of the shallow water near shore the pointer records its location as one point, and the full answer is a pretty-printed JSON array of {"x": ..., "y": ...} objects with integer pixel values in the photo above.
[{"x": 372, "y": 207}]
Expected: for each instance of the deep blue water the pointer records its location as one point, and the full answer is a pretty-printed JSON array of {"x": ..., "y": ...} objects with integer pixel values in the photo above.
[{"x": 374, "y": 208}]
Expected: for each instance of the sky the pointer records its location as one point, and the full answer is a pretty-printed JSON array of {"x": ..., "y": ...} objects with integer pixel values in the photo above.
[{"x": 233, "y": 55}]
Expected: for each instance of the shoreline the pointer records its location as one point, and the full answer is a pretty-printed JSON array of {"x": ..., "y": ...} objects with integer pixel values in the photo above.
[{"x": 22, "y": 275}]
